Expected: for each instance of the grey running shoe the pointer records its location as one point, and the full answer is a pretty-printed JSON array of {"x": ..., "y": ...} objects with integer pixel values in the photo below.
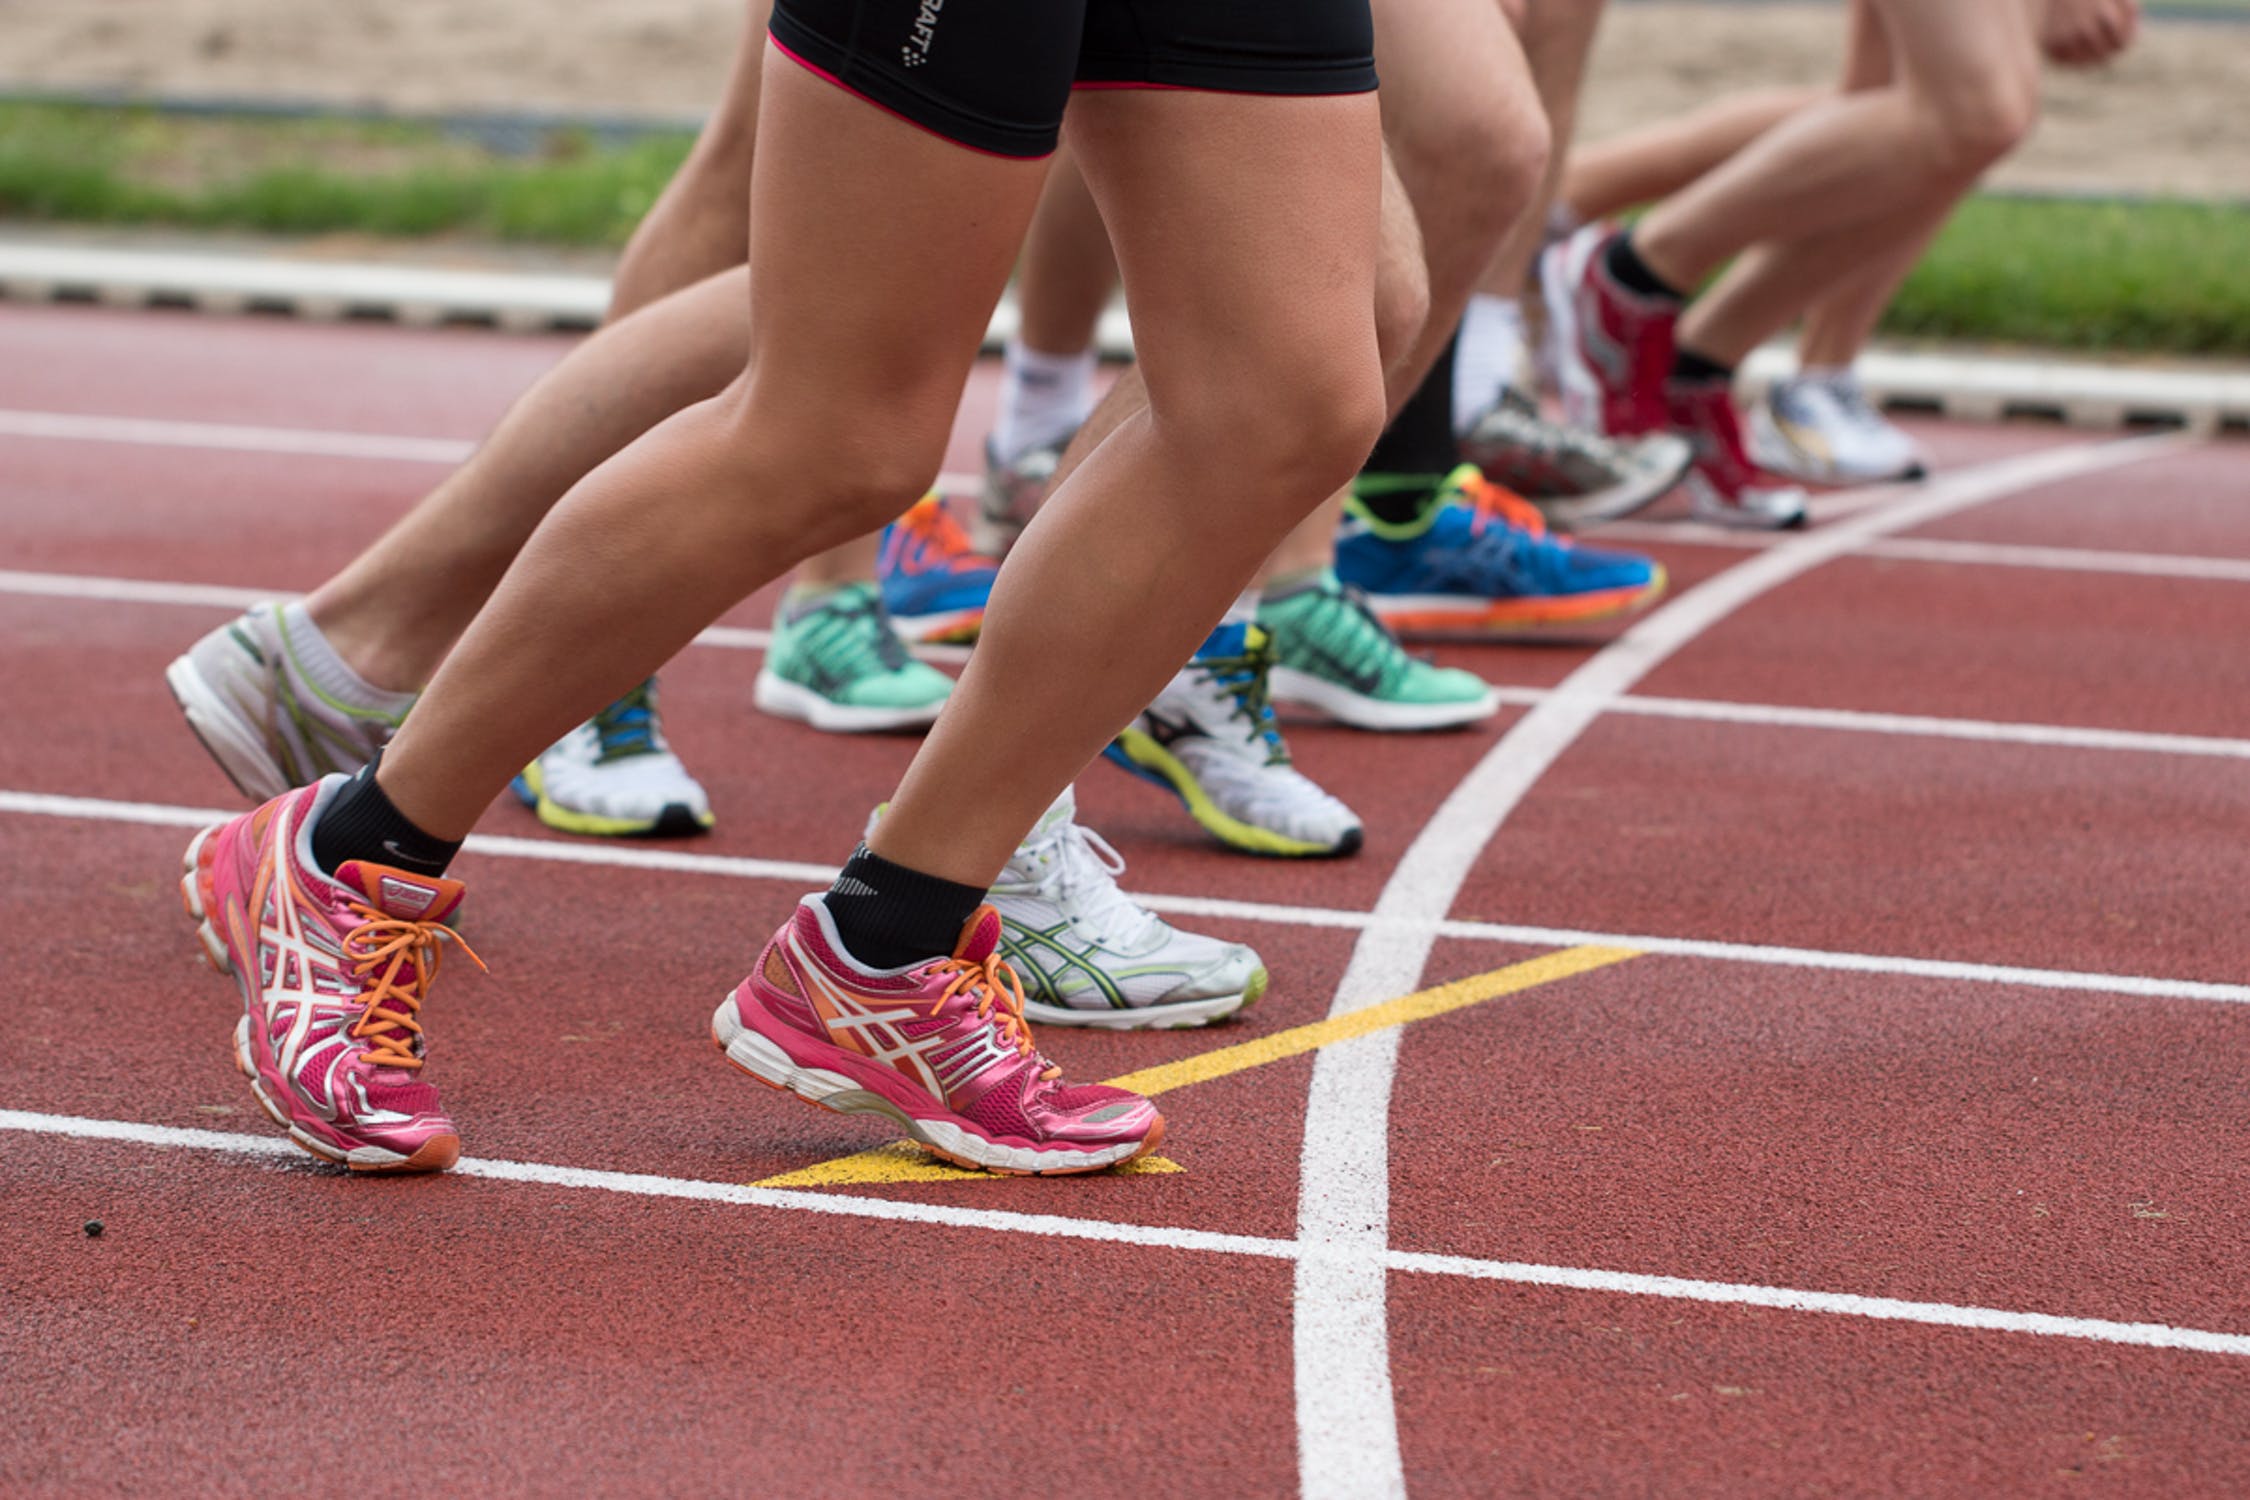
[
  {"x": 1012, "y": 493},
  {"x": 273, "y": 710},
  {"x": 1577, "y": 478}
]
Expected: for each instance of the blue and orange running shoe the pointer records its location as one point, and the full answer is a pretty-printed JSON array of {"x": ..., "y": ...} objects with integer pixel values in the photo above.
[
  {"x": 934, "y": 584},
  {"x": 1481, "y": 559}
]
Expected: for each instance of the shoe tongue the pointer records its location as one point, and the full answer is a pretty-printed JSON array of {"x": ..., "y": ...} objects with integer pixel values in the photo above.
[
  {"x": 402, "y": 893},
  {"x": 979, "y": 936},
  {"x": 1232, "y": 638},
  {"x": 1062, "y": 810}
]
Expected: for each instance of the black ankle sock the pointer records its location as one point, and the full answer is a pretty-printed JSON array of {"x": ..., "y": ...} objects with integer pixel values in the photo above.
[
  {"x": 889, "y": 916},
  {"x": 1420, "y": 439},
  {"x": 1631, "y": 272},
  {"x": 360, "y": 823},
  {"x": 1696, "y": 368},
  {"x": 1396, "y": 499}
]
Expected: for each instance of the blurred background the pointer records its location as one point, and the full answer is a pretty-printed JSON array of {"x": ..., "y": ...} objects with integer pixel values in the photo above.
[{"x": 506, "y": 131}]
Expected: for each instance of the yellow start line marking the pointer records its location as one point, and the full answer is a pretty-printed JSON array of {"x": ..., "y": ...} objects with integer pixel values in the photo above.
[{"x": 902, "y": 1161}]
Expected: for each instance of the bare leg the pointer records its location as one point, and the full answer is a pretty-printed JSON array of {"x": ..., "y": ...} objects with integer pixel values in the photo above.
[
  {"x": 1224, "y": 301},
  {"x": 1557, "y": 36},
  {"x": 1967, "y": 91},
  {"x": 1961, "y": 73},
  {"x": 1067, "y": 273},
  {"x": 1603, "y": 180},
  {"x": 723, "y": 496}
]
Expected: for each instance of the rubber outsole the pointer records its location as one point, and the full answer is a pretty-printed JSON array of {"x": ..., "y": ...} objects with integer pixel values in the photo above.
[
  {"x": 674, "y": 821},
  {"x": 1359, "y": 711},
  {"x": 755, "y": 1057},
  {"x": 777, "y": 695},
  {"x": 1179, "y": 1016}
]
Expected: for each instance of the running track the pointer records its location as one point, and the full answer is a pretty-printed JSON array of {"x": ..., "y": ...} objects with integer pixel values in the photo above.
[{"x": 1854, "y": 1104}]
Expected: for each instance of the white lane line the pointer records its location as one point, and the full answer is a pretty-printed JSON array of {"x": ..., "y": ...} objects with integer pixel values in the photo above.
[
  {"x": 1161, "y": 1237},
  {"x": 311, "y": 442},
  {"x": 1347, "y": 1420},
  {"x": 1933, "y": 549},
  {"x": 134, "y": 431},
  {"x": 1774, "y": 715},
  {"x": 232, "y": 438},
  {"x": 2062, "y": 559},
  {"x": 684, "y": 862}
]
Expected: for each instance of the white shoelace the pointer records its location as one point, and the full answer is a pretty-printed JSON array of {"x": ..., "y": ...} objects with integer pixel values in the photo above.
[{"x": 1078, "y": 871}]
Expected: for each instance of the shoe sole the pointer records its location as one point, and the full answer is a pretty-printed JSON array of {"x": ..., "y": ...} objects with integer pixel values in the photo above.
[
  {"x": 676, "y": 821},
  {"x": 434, "y": 1155},
  {"x": 1439, "y": 614},
  {"x": 219, "y": 727},
  {"x": 1703, "y": 507},
  {"x": 1178, "y": 1015},
  {"x": 1138, "y": 753},
  {"x": 784, "y": 699},
  {"x": 957, "y": 627},
  {"x": 752, "y": 1054},
  {"x": 1361, "y": 711}
]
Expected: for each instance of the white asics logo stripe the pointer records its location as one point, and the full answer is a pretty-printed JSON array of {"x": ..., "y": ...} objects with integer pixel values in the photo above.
[{"x": 878, "y": 1030}]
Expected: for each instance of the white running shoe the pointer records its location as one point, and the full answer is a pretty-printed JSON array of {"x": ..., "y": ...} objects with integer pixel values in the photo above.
[
  {"x": 1821, "y": 429},
  {"x": 1088, "y": 956},
  {"x": 614, "y": 776},
  {"x": 275, "y": 705},
  {"x": 1210, "y": 739}
]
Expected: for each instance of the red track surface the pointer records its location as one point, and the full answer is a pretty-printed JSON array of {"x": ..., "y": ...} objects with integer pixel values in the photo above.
[{"x": 247, "y": 1321}]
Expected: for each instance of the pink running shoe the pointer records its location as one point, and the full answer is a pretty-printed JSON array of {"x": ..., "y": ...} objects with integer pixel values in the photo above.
[
  {"x": 1725, "y": 485},
  {"x": 333, "y": 972},
  {"x": 939, "y": 1047},
  {"x": 1613, "y": 348}
]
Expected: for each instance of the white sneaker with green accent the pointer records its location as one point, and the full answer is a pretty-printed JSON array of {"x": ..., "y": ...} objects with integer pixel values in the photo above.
[
  {"x": 1089, "y": 955},
  {"x": 615, "y": 776},
  {"x": 276, "y": 706},
  {"x": 1210, "y": 739}
]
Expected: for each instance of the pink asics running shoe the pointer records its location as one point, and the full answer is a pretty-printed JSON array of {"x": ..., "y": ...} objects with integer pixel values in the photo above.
[
  {"x": 939, "y": 1047},
  {"x": 333, "y": 972}
]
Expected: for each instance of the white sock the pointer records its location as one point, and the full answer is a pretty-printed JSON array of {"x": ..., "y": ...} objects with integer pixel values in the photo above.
[
  {"x": 1044, "y": 398},
  {"x": 317, "y": 662},
  {"x": 1488, "y": 358}
]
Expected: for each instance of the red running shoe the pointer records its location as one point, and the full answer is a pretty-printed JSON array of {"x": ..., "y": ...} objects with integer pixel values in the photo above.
[
  {"x": 940, "y": 1048},
  {"x": 1613, "y": 347},
  {"x": 1725, "y": 485}
]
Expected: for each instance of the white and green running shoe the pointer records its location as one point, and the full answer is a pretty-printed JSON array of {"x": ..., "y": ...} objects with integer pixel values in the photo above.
[
  {"x": 615, "y": 776},
  {"x": 836, "y": 664},
  {"x": 1089, "y": 956},
  {"x": 276, "y": 706},
  {"x": 1210, "y": 739},
  {"x": 1333, "y": 655}
]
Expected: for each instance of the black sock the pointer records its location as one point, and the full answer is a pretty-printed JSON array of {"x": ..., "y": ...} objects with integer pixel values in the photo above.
[
  {"x": 1632, "y": 273},
  {"x": 1416, "y": 451},
  {"x": 1690, "y": 366},
  {"x": 889, "y": 916},
  {"x": 360, "y": 823}
]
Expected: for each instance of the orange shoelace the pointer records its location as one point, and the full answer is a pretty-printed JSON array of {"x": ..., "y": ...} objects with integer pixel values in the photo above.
[
  {"x": 407, "y": 954},
  {"x": 933, "y": 519},
  {"x": 993, "y": 981},
  {"x": 1489, "y": 497}
]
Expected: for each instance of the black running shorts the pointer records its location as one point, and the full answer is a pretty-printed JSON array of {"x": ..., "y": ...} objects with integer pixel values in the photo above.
[{"x": 995, "y": 74}]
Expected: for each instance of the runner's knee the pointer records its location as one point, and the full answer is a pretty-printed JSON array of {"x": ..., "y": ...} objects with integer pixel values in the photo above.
[
  {"x": 1972, "y": 129},
  {"x": 1482, "y": 160},
  {"x": 1292, "y": 438}
]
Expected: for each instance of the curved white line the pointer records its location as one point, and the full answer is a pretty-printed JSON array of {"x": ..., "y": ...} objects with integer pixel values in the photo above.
[{"x": 1347, "y": 1419}]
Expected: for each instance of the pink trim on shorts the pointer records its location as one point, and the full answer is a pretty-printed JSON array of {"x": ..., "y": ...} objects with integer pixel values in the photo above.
[{"x": 822, "y": 73}]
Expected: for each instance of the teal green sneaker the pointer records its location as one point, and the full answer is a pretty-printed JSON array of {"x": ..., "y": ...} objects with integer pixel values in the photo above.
[
  {"x": 837, "y": 665},
  {"x": 1332, "y": 654}
]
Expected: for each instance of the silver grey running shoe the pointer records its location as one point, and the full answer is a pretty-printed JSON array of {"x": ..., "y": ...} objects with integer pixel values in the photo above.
[
  {"x": 1578, "y": 479},
  {"x": 277, "y": 712},
  {"x": 1011, "y": 497}
]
